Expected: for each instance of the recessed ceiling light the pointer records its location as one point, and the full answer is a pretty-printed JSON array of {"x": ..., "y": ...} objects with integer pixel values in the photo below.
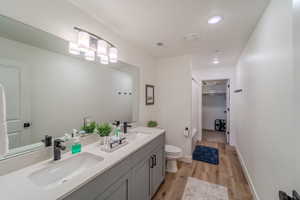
[{"x": 215, "y": 19}]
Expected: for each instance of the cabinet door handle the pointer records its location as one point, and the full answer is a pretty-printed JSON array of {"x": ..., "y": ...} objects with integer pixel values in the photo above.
[
  {"x": 154, "y": 157},
  {"x": 151, "y": 162}
]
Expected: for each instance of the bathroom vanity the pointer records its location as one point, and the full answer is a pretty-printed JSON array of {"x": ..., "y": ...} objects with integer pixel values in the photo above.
[
  {"x": 137, "y": 177},
  {"x": 133, "y": 172}
]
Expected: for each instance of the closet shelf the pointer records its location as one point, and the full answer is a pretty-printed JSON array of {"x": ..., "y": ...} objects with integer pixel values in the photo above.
[{"x": 214, "y": 93}]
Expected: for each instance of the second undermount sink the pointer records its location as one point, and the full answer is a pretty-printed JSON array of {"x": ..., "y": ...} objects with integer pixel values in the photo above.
[
  {"x": 134, "y": 136},
  {"x": 59, "y": 172}
]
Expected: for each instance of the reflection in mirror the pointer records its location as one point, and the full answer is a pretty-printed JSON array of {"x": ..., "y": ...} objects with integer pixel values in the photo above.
[{"x": 50, "y": 92}]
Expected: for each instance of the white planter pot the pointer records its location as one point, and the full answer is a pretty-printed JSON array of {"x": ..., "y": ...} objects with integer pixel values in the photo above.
[{"x": 103, "y": 140}]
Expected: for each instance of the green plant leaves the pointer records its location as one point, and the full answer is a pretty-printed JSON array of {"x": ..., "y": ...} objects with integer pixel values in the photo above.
[{"x": 104, "y": 129}]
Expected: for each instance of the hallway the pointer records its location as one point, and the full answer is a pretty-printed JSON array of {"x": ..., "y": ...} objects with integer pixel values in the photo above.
[
  {"x": 213, "y": 136},
  {"x": 228, "y": 173}
]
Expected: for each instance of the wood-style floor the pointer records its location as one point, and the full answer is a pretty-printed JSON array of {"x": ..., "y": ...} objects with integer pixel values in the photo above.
[
  {"x": 228, "y": 173},
  {"x": 213, "y": 136}
]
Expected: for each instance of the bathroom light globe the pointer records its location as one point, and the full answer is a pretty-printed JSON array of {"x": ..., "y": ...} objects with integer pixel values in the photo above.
[
  {"x": 83, "y": 41},
  {"x": 113, "y": 55}
]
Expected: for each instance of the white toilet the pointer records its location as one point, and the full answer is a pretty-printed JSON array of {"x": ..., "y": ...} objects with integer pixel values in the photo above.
[{"x": 173, "y": 153}]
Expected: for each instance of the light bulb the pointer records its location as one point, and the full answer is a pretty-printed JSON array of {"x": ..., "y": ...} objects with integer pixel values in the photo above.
[
  {"x": 113, "y": 55},
  {"x": 104, "y": 60},
  {"x": 102, "y": 48},
  {"x": 73, "y": 48},
  {"x": 90, "y": 55},
  {"x": 83, "y": 41}
]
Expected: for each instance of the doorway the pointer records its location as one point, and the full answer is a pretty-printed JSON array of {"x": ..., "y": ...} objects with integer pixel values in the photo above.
[{"x": 216, "y": 111}]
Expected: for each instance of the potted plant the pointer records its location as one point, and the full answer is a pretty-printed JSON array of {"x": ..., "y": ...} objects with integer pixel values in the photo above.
[
  {"x": 152, "y": 124},
  {"x": 89, "y": 128},
  {"x": 103, "y": 130}
]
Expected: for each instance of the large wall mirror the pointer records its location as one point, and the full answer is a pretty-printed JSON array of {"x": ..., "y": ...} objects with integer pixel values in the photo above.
[{"x": 50, "y": 92}]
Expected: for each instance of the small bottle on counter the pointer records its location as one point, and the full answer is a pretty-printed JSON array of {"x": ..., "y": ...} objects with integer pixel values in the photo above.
[{"x": 76, "y": 145}]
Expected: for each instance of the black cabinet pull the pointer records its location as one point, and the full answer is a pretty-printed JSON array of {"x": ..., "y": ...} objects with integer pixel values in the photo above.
[
  {"x": 154, "y": 157},
  {"x": 151, "y": 162}
]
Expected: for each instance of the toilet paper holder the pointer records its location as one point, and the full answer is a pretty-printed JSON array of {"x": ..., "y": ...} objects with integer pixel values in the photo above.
[{"x": 186, "y": 132}]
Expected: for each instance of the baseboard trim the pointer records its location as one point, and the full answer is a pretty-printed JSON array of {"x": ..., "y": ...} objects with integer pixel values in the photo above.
[
  {"x": 247, "y": 174},
  {"x": 186, "y": 159}
]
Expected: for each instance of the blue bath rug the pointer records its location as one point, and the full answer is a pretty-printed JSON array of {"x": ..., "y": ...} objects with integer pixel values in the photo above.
[{"x": 206, "y": 154}]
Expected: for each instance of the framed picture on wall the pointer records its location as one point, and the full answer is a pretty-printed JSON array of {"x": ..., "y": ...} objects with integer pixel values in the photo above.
[{"x": 149, "y": 94}]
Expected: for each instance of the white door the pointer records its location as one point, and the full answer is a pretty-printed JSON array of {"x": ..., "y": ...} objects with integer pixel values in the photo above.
[
  {"x": 11, "y": 79},
  {"x": 228, "y": 112}
]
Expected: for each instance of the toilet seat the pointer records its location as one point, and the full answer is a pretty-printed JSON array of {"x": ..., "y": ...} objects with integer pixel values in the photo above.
[
  {"x": 172, "y": 154},
  {"x": 170, "y": 149}
]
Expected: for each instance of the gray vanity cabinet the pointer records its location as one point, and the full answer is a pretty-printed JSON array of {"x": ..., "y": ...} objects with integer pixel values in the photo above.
[
  {"x": 141, "y": 181},
  {"x": 157, "y": 169},
  {"x": 121, "y": 190},
  {"x": 137, "y": 177},
  {"x": 149, "y": 174}
]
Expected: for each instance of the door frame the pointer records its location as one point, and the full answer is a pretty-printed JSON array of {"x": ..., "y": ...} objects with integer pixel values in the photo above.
[
  {"x": 198, "y": 135},
  {"x": 229, "y": 107}
]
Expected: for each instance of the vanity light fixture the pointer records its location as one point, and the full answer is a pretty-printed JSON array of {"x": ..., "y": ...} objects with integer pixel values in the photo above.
[
  {"x": 92, "y": 45},
  {"x": 215, "y": 20}
]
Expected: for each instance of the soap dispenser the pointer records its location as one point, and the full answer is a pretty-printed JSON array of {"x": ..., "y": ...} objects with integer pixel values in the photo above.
[
  {"x": 117, "y": 130},
  {"x": 76, "y": 145}
]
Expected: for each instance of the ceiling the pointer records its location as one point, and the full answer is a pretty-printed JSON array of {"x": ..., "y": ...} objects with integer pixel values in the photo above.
[{"x": 146, "y": 22}]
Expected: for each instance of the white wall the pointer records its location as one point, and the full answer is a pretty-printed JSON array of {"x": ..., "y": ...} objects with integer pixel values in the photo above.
[
  {"x": 59, "y": 17},
  {"x": 174, "y": 94},
  {"x": 213, "y": 107},
  {"x": 266, "y": 139},
  {"x": 64, "y": 90},
  {"x": 218, "y": 73}
]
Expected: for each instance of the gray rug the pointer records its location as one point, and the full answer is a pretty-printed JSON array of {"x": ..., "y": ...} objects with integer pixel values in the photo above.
[{"x": 196, "y": 189}]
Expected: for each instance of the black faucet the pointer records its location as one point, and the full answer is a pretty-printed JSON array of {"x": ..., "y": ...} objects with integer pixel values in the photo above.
[
  {"x": 117, "y": 123},
  {"x": 125, "y": 126},
  {"x": 58, "y": 147}
]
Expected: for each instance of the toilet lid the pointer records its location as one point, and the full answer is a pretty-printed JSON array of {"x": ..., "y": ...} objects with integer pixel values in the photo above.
[{"x": 172, "y": 149}]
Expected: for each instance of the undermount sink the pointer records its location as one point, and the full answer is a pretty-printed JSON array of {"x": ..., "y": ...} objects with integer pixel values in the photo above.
[
  {"x": 59, "y": 172},
  {"x": 135, "y": 136}
]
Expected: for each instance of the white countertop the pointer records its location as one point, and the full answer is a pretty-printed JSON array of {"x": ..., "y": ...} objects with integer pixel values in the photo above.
[{"x": 17, "y": 186}]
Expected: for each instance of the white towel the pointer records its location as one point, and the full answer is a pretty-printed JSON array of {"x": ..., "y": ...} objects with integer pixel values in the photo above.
[{"x": 3, "y": 124}]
